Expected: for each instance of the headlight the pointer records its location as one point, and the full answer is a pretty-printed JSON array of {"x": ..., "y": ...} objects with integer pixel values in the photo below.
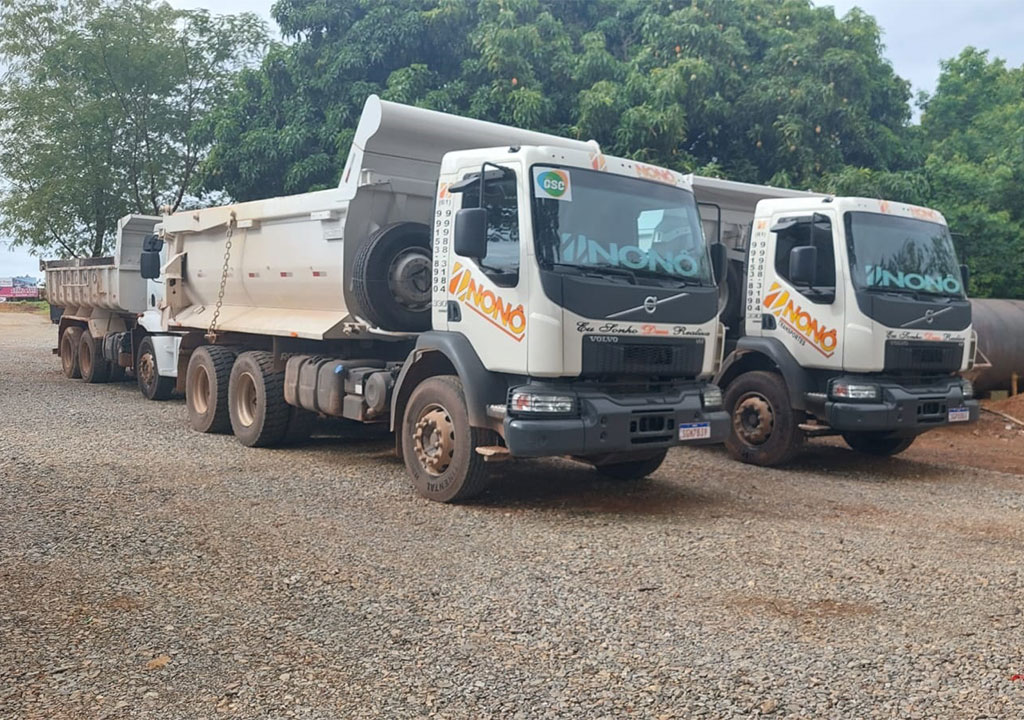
[
  {"x": 854, "y": 391},
  {"x": 712, "y": 396},
  {"x": 967, "y": 388},
  {"x": 525, "y": 401}
]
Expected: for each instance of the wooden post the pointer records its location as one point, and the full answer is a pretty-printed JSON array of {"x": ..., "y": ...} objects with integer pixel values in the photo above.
[{"x": 1013, "y": 384}]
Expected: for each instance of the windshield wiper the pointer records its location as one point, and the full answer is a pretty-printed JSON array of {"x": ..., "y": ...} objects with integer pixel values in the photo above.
[
  {"x": 598, "y": 271},
  {"x": 916, "y": 294},
  {"x": 675, "y": 279}
]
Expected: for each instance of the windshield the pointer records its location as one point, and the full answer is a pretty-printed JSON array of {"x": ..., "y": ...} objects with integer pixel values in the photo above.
[
  {"x": 596, "y": 222},
  {"x": 899, "y": 254}
]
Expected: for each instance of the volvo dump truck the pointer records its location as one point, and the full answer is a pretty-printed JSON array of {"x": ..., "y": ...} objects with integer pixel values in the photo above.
[
  {"x": 485, "y": 291},
  {"x": 845, "y": 316},
  {"x": 111, "y": 322}
]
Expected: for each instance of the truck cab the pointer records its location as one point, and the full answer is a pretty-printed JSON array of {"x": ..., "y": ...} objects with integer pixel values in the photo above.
[{"x": 853, "y": 321}]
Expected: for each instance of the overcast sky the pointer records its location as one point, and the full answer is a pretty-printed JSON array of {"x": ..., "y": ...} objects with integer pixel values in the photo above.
[{"x": 917, "y": 35}]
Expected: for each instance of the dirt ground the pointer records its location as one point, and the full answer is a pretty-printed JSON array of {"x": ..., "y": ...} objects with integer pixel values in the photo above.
[{"x": 148, "y": 571}]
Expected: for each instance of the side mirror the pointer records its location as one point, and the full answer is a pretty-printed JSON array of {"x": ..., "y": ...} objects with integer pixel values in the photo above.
[
  {"x": 803, "y": 264},
  {"x": 149, "y": 264},
  {"x": 719, "y": 261},
  {"x": 471, "y": 233},
  {"x": 965, "y": 276}
]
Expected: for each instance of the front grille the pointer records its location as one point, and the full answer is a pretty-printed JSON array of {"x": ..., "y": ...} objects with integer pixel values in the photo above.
[
  {"x": 661, "y": 357},
  {"x": 923, "y": 356}
]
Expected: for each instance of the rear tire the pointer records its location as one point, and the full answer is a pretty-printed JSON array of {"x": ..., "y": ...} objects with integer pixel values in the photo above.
[
  {"x": 93, "y": 366},
  {"x": 152, "y": 384},
  {"x": 300, "y": 426},
  {"x": 879, "y": 444},
  {"x": 634, "y": 469},
  {"x": 206, "y": 389},
  {"x": 392, "y": 277},
  {"x": 438, "y": 444},
  {"x": 765, "y": 428},
  {"x": 69, "y": 342},
  {"x": 259, "y": 413}
]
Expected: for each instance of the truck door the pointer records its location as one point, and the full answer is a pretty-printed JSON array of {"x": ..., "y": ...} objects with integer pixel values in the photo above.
[
  {"x": 486, "y": 297},
  {"x": 805, "y": 312}
]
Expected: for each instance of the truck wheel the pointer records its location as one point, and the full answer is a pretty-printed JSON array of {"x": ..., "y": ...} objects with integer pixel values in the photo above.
[
  {"x": 765, "y": 428},
  {"x": 634, "y": 469},
  {"x": 391, "y": 277},
  {"x": 153, "y": 385},
  {"x": 206, "y": 388},
  {"x": 882, "y": 444},
  {"x": 69, "y": 343},
  {"x": 438, "y": 444},
  {"x": 91, "y": 363},
  {"x": 259, "y": 414}
]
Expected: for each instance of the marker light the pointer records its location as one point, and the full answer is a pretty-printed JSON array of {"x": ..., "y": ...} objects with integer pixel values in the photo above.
[
  {"x": 524, "y": 401},
  {"x": 854, "y": 391}
]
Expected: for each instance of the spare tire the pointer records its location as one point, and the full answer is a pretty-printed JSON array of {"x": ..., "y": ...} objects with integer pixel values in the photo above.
[{"x": 391, "y": 277}]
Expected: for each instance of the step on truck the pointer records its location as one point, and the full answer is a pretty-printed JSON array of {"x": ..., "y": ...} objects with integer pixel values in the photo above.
[
  {"x": 845, "y": 316},
  {"x": 487, "y": 292},
  {"x": 109, "y": 322}
]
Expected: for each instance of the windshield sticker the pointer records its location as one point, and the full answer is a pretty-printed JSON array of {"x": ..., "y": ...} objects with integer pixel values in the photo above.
[
  {"x": 799, "y": 323},
  {"x": 947, "y": 284},
  {"x": 552, "y": 184},
  {"x": 584, "y": 252},
  {"x": 487, "y": 304}
]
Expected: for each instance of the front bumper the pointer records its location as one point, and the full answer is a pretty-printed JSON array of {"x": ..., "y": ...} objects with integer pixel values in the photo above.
[
  {"x": 617, "y": 424},
  {"x": 905, "y": 409}
]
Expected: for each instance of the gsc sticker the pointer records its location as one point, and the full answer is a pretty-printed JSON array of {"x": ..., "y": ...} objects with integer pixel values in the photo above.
[{"x": 552, "y": 184}]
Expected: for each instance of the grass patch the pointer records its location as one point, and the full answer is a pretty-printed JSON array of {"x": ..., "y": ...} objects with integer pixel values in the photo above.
[{"x": 38, "y": 307}]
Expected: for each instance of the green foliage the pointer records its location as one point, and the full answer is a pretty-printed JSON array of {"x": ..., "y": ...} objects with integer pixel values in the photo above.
[
  {"x": 756, "y": 89},
  {"x": 100, "y": 112}
]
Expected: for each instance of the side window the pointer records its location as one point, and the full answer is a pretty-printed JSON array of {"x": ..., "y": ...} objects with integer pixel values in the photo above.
[
  {"x": 502, "y": 204},
  {"x": 801, "y": 235}
]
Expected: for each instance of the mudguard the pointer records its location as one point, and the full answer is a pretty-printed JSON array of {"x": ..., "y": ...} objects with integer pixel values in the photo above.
[
  {"x": 798, "y": 382},
  {"x": 481, "y": 386}
]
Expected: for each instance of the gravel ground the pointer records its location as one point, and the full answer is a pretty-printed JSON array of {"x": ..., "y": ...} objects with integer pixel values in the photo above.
[{"x": 150, "y": 572}]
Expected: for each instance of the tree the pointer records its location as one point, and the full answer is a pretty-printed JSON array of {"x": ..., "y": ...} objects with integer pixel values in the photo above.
[
  {"x": 756, "y": 89},
  {"x": 101, "y": 112}
]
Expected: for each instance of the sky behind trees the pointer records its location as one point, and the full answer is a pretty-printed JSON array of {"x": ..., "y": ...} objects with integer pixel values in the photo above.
[{"x": 918, "y": 34}]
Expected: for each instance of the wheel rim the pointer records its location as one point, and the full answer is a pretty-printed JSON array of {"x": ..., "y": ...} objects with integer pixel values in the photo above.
[
  {"x": 753, "y": 419},
  {"x": 246, "y": 399},
  {"x": 147, "y": 368},
  {"x": 67, "y": 357},
  {"x": 85, "y": 358},
  {"x": 198, "y": 390},
  {"x": 409, "y": 278},
  {"x": 434, "y": 439}
]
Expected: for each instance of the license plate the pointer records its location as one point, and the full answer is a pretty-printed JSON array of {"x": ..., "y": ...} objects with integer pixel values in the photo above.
[
  {"x": 695, "y": 431},
  {"x": 959, "y": 415}
]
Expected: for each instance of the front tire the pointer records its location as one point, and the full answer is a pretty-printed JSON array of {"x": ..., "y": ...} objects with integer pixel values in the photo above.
[
  {"x": 259, "y": 414},
  {"x": 879, "y": 444},
  {"x": 765, "y": 428},
  {"x": 93, "y": 366},
  {"x": 152, "y": 384},
  {"x": 634, "y": 469},
  {"x": 69, "y": 342},
  {"x": 438, "y": 444},
  {"x": 206, "y": 389}
]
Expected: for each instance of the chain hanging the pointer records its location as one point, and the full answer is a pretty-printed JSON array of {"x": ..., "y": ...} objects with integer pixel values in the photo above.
[{"x": 211, "y": 334}]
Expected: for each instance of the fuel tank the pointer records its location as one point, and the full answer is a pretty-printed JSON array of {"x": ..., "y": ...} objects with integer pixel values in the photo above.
[{"x": 1000, "y": 328}]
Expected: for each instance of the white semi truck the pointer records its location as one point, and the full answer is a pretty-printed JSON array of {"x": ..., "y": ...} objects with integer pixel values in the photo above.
[
  {"x": 845, "y": 316},
  {"x": 111, "y": 321},
  {"x": 485, "y": 290}
]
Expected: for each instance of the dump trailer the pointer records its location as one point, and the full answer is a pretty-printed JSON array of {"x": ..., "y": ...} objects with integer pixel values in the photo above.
[
  {"x": 109, "y": 320},
  {"x": 487, "y": 292},
  {"x": 845, "y": 316}
]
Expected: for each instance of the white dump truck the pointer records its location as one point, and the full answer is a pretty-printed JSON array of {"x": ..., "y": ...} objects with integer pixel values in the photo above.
[
  {"x": 486, "y": 291},
  {"x": 111, "y": 321},
  {"x": 845, "y": 316}
]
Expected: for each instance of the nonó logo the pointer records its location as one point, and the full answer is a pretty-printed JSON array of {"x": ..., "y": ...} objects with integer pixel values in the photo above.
[
  {"x": 486, "y": 303},
  {"x": 584, "y": 251},
  {"x": 799, "y": 322},
  {"x": 877, "y": 276},
  {"x": 553, "y": 182}
]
